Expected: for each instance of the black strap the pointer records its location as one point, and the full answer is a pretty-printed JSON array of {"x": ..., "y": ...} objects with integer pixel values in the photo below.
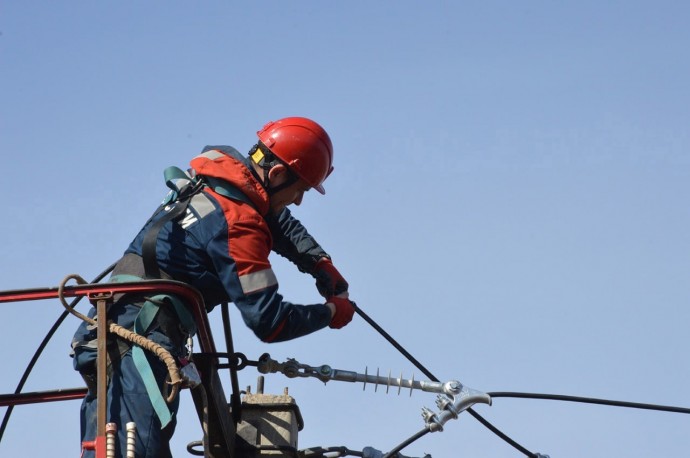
[{"x": 148, "y": 246}]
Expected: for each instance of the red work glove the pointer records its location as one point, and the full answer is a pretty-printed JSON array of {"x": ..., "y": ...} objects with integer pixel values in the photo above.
[
  {"x": 329, "y": 282},
  {"x": 343, "y": 311}
]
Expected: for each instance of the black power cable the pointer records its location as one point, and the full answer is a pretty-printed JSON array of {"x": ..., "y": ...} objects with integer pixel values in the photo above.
[
  {"x": 426, "y": 372},
  {"x": 235, "y": 400},
  {"x": 507, "y": 394},
  {"x": 586, "y": 400},
  {"x": 42, "y": 346},
  {"x": 394, "y": 452}
]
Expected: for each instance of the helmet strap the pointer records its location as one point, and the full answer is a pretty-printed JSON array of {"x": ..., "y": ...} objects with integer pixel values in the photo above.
[{"x": 264, "y": 158}]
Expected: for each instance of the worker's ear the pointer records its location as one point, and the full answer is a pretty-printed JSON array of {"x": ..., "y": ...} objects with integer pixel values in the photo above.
[{"x": 277, "y": 174}]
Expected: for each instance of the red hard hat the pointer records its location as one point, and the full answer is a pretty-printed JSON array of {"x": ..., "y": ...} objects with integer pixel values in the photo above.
[{"x": 303, "y": 145}]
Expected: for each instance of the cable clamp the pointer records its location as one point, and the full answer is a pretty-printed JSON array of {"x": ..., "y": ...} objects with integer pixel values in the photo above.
[{"x": 451, "y": 406}]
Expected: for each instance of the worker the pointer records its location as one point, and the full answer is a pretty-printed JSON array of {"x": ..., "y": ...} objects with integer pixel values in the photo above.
[{"x": 215, "y": 232}]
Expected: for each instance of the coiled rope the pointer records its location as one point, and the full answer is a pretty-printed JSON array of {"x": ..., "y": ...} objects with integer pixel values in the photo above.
[{"x": 164, "y": 355}]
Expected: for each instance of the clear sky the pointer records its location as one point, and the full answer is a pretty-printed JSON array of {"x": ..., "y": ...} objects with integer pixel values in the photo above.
[{"x": 509, "y": 201}]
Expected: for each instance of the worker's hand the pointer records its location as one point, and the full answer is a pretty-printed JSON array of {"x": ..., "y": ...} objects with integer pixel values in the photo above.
[
  {"x": 341, "y": 310},
  {"x": 329, "y": 282}
]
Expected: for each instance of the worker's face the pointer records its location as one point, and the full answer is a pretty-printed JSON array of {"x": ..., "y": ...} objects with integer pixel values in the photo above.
[{"x": 293, "y": 194}]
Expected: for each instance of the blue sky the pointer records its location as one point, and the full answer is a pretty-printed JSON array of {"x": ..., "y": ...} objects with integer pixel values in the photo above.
[{"x": 509, "y": 201}]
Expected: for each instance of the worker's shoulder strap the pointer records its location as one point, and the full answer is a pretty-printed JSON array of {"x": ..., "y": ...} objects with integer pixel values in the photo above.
[
  {"x": 152, "y": 304},
  {"x": 145, "y": 318},
  {"x": 183, "y": 186},
  {"x": 228, "y": 190}
]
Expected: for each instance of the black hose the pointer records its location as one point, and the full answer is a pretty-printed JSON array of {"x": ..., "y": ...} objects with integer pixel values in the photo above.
[{"x": 42, "y": 346}]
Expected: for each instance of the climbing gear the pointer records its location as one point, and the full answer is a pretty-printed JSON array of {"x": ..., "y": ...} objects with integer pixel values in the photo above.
[
  {"x": 140, "y": 343},
  {"x": 142, "y": 323},
  {"x": 151, "y": 306},
  {"x": 302, "y": 145},
  {"x": 183, "y": 187}
]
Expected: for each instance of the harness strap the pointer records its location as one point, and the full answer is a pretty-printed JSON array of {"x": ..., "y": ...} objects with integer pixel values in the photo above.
[
  {"x": 183, "y": 187},
  {"x": 141, "y": 324},
  {"x": 148, "y": 246},
  {"x": 226, "y": 189},
  {"x": 145, "y": 318},
  {"x": 183, "y": 314}
]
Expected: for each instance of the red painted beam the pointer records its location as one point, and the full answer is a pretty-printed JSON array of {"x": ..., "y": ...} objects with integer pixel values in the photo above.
[
  {"x": 188, "y": 294},
  {"x": 66, "y": 394}
]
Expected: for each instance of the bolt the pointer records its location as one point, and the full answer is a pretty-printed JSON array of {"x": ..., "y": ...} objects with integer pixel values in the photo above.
[{"x": 442, "y": 402}]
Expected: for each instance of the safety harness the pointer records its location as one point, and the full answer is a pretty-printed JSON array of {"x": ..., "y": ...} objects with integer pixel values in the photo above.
[
  {"x": 145, "y": 318},
  {"x": 183, "y": 186}
]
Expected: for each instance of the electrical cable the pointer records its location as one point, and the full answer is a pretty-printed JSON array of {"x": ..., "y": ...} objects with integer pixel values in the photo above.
[
  {"x": 393, "y": 453},
  {"x": 235, "y": 400},
  {"x": 586, "y": 400},
  {"x": 402, "y": 350},
  {"x": 320, "y": 452},
  {"x": 42, "y": 346},
  {"x": 431, "y": 376}
]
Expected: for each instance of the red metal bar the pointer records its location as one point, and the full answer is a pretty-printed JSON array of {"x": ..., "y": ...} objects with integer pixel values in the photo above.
[
  {"x": 98, "y": 293},
  {"x": 98, "y": 445},
  {"x": 101, "y": 364},
  {"x": 36, "y": 397},
  {"x": 188, "y": 294}
]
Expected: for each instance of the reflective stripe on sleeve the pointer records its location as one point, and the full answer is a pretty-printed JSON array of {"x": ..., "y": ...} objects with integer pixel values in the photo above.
[{"x": 256, "y": 281}]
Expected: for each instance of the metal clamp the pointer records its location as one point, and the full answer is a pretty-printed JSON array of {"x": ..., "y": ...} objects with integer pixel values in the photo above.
[{"x": 452, "y": 406}]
